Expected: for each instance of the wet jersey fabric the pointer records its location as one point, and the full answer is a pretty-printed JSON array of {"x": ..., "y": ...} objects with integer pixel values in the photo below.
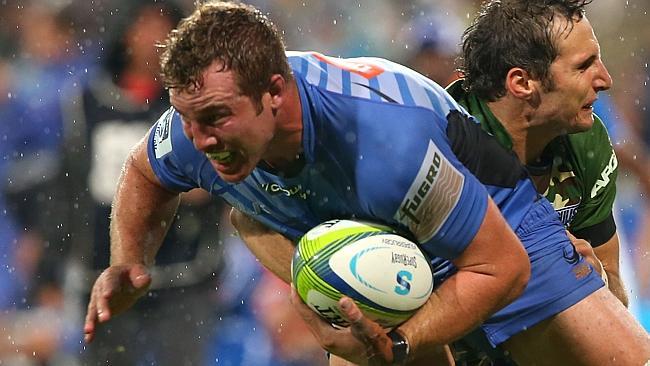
[
  {"x": 361, "y": 156},
  {"x": 582, "y": 169},
  {"x": 383, "y": 143}
]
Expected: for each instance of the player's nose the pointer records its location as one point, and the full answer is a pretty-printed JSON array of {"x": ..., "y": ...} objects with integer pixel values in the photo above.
[
  {"x": 603, "y": 80},
  {"x": 200, "y": 135}
]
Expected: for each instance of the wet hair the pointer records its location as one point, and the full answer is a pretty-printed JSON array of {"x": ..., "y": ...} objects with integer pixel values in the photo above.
[
  {"x": 514, "y": 33},
  {"x": 239, "y": 36}
]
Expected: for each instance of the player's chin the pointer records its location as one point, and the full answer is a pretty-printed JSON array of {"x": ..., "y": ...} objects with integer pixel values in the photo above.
[
  {"x": 234, "y": 177},
  {"x": 233, "y": 173},
  {"x": 584, "y": 121}
]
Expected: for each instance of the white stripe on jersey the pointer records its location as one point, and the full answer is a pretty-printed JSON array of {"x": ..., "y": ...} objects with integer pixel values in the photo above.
[
  {"x": 356, "y": 89},
  {"x": 313, "y": 70},
  {"x": 388, "y": 85},
  {"x": 334, "y": 79},
  {"x": 418, "y": 93}
]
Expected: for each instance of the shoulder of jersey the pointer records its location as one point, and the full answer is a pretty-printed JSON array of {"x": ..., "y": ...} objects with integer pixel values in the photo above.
[{"x": 370, "y": 78}]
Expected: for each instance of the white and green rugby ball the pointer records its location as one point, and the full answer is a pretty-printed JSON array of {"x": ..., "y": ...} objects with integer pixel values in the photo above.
[{"x": 385, "y": 274}]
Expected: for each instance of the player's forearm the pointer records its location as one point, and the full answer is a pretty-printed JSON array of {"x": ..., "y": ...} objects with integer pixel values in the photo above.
[
  {"x": 609, "y": 255},
  {"x": 142, "y": 213},
  {"x": 460, "y": 304},
  {"x": 272, "y": 249},
  {"x": 492, "y": 272}
]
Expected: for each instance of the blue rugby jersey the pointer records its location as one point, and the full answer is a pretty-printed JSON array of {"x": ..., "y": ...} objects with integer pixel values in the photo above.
[{"x": 381, "y": 143}]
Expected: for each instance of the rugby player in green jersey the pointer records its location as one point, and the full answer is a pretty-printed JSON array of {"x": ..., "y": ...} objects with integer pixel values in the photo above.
[
  {"x": 534, "y": 91},
  {"x": 531, "y": 78}
]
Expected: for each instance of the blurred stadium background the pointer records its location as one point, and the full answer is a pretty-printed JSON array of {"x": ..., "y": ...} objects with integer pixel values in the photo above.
[{"x": 78, "y": 86}]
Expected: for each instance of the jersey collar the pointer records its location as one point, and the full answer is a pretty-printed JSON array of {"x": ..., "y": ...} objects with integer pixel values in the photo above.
[{"x": 480, "y": 110}]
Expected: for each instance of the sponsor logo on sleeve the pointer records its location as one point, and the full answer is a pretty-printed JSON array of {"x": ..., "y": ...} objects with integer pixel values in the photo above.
[
  {"x": 434, "y": 193},
  {"x": 162, "y": 141}
]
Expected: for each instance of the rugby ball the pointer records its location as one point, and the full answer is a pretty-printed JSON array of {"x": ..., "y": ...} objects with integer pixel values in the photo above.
[{"x": 387, "y": 275}]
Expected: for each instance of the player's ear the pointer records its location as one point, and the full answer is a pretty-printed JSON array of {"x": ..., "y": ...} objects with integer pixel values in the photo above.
[
  {"x": 277, "y": 88},
  {"x": 519, "y": 83}
]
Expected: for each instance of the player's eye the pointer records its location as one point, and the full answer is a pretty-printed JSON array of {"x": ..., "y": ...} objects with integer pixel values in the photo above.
[
  {"x": 213, "y": 120},
  {"x": 214, "y": 117},
  {"x": 587, "y": 63}
]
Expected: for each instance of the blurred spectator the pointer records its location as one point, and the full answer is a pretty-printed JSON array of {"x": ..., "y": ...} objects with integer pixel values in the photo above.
[
  {"x": 432, "y": 39},
  {"x": 12, "y": 279},
  {"x": 9, "y": 10},
  {"x": 337, "y": 27},
  {"x": 31, "y": 138},
  {"x": 241, "y": 339},
  {"x": 48, "y": 60},
  {"x": 103, "y": 120},
  {"x": 259, "y": 326},
  {"x": 293, "y": 343}
]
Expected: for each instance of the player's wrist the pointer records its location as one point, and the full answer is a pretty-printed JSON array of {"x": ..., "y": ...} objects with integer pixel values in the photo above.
[{"x": 400, "y": 347}]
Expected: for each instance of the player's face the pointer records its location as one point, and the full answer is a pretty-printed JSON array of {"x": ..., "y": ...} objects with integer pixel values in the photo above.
[
  {"x": 224, "y": 124},
  {"x": 578, "y": 74}
]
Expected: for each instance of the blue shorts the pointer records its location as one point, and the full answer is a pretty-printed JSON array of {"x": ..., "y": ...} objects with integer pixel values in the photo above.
[{"x": 560, "y": 277}]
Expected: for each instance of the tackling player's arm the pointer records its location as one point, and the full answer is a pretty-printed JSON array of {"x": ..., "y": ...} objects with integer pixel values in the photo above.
[
  {"x": 141, "y": 215},
  {"x": 608, "y": 254}
]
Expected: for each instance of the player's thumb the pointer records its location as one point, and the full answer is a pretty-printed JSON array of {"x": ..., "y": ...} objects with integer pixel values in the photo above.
[
  {"x": 350, "y": 310},
  {"x": 140, "y": 277}
]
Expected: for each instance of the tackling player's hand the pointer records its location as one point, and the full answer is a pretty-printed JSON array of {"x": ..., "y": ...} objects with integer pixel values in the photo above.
[
  {"x": 587, "y": 251},
  {"x": 364, "y": 342},
  {"x": 114, "y": 291}
]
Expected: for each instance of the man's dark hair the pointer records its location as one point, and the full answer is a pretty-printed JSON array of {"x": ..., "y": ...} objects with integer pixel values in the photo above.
[
  {"x": 238, "y": 35},
  {"x": 514, "y": 33}
]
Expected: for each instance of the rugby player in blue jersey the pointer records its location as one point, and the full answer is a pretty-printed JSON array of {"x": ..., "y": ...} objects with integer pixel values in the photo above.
[{"x": 292, "y": 140}]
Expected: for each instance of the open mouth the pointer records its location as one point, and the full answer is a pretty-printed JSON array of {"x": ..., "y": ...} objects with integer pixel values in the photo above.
[{"x": 222, "y": 157}]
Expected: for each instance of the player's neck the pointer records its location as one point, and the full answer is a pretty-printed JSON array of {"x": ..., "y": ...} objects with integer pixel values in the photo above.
[
  {"x": 286, "y": 147},
  {"x": 529, "y": 136}
]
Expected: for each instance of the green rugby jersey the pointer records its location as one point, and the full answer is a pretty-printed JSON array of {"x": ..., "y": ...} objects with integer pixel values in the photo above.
[{"x": 578, "y": 170}]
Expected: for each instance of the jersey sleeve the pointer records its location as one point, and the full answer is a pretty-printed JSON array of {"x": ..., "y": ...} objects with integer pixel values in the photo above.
[
  {"x": 421, "y": 186},
  {"x": 593, "y": 220},
  {"x": 171, "y": 155}
]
